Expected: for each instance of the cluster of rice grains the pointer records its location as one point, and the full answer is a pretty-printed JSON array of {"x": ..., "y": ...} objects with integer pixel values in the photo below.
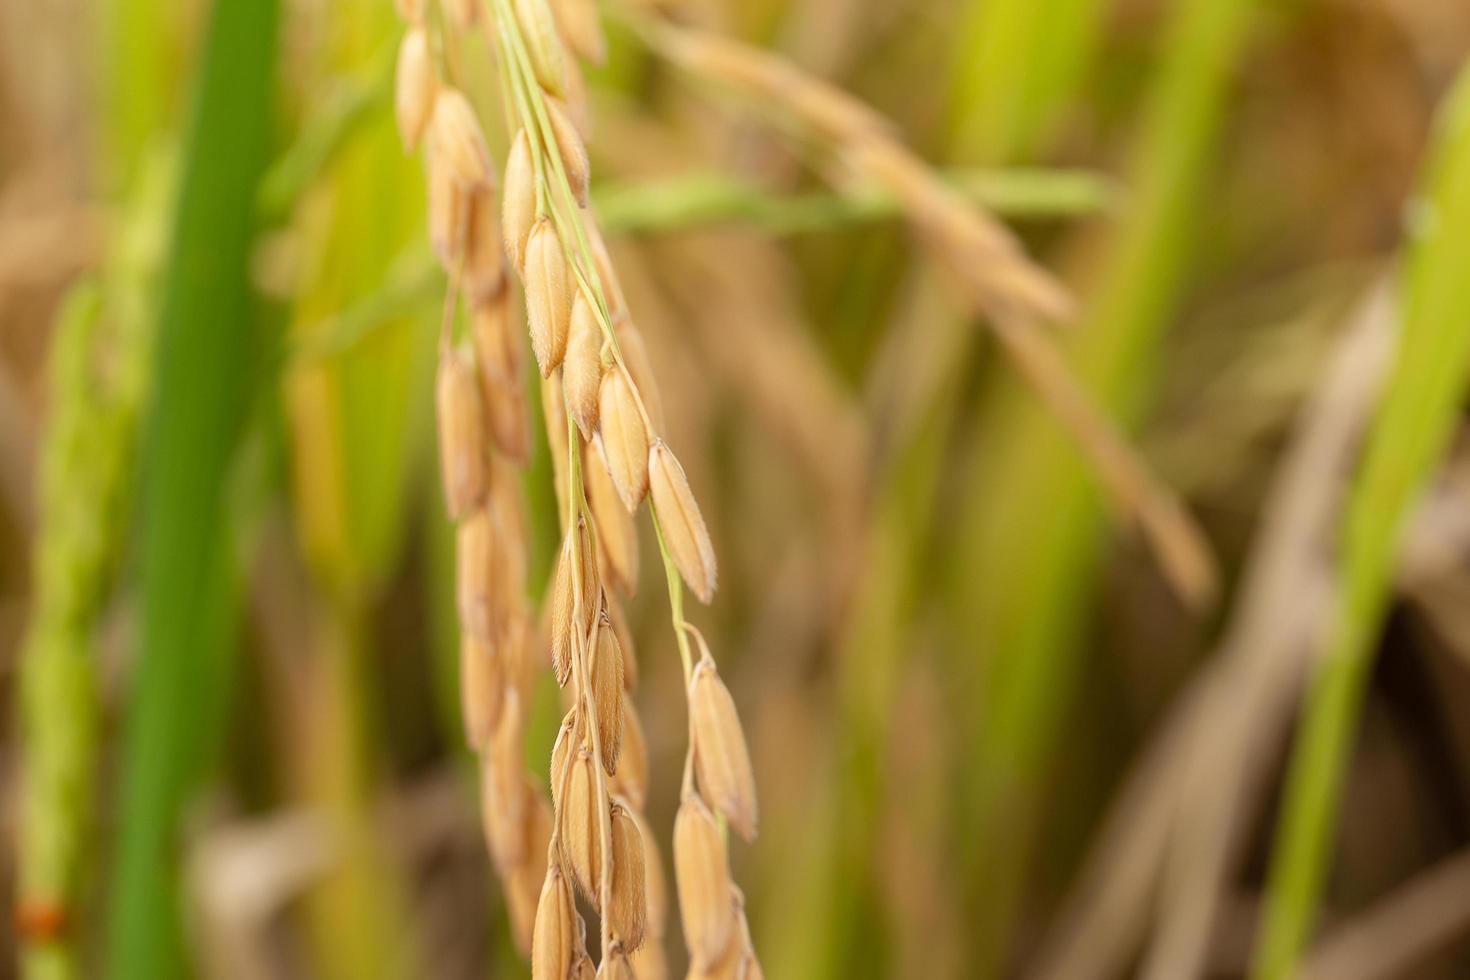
[{"x": 603, "y": 418}]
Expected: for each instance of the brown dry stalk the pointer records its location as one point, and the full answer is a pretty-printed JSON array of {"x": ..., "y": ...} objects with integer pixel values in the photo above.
[
  {"x": 603, "y": 420},
  {"x": 1016, "y": 295},
  {"x": 1178, "y": 822}
]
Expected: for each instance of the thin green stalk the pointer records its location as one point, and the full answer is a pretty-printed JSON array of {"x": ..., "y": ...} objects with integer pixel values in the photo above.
[
  {"x": 208, "y": 342},
  {"x": 1031, "y": 542},
  {"x": 1419, "y": 414}
]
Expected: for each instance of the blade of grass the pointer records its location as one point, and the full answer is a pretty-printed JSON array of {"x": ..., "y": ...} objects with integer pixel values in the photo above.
[
  {"x": 207, "y": 343},
  {"x": 1419, "y": 413},
  {"x": 1031, "y": 541}
]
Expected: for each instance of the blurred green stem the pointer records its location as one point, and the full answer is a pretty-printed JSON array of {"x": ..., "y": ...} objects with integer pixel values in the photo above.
[
  {"x": 1420, "y": 411},
  {"x": 207, "y": 342}
]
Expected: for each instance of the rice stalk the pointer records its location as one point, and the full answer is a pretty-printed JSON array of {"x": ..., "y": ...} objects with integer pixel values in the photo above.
[
  {"x": 205, "y": 353},
  {"x": 1419, "y": 412}
]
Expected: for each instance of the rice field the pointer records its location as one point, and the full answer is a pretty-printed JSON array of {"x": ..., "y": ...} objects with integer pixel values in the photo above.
[{"x": 801, "y": 488}]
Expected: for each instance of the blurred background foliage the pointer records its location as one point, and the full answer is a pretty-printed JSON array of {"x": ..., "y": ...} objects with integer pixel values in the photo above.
[{"x": 987, "y": 735}]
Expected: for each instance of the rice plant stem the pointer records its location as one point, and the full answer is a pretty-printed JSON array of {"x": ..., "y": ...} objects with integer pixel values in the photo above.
[{"x": 1420, "y": 409}]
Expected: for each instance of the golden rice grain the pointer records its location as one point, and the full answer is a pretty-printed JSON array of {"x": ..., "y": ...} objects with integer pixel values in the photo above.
[
  {"x": 607, "y": 276},
  {"x": 640, "y": 369},
  {"x": 548, "y": 61},
  {"x": 575, "y": 99},
  {"x": 464, "y": 13},
  {"x": 580, "y": 26},
  {"x": 607, "y": 693},
  {"x": 562, "y": 752},
  {"x": 481, "y": 687},
  {"x": 617, "y": 534},
  {"x": 631, "y": 778},
  {"x": 414, "y": 86},
  {"x": 522, "y": 885},
  {"x": 683, "y": 526},
  {"x": 656, "y": 886},
  {"x": 627, "y": 896},
  {"x": 412, "y": 11},
  {"x": 518, "y": 201},
  {"x": 474, "y": 558},
  {"x": 483, "y": 276},
  {"x": 720, "y": 755},
  {"x": 574, "y": 599},
  {"x": 624, "y": 438},
  {"x": 571, "y": 150},
  {"x": 548, "y": 295},
  {"x": 625, "y": 643},
  {"x": 462, "y": 458},
  {"x": 581, "y": 826},
  {"x": 703, "y": 876},
  {"x": 457, "y": 135},
  {"x": 555, "y": 936},
  {"x": 582, "y": 368},
  {"x": 447, "y": 202},
  {"x": 505, "y": 415},
  {"x": 504, "y": 796},
  {"x": 499, "y": 343}
]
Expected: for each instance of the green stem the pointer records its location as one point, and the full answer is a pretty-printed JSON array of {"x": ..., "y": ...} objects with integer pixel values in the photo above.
[
  {"x": 1420, "y": 411},
  {"x": 207, "y": 345}
]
